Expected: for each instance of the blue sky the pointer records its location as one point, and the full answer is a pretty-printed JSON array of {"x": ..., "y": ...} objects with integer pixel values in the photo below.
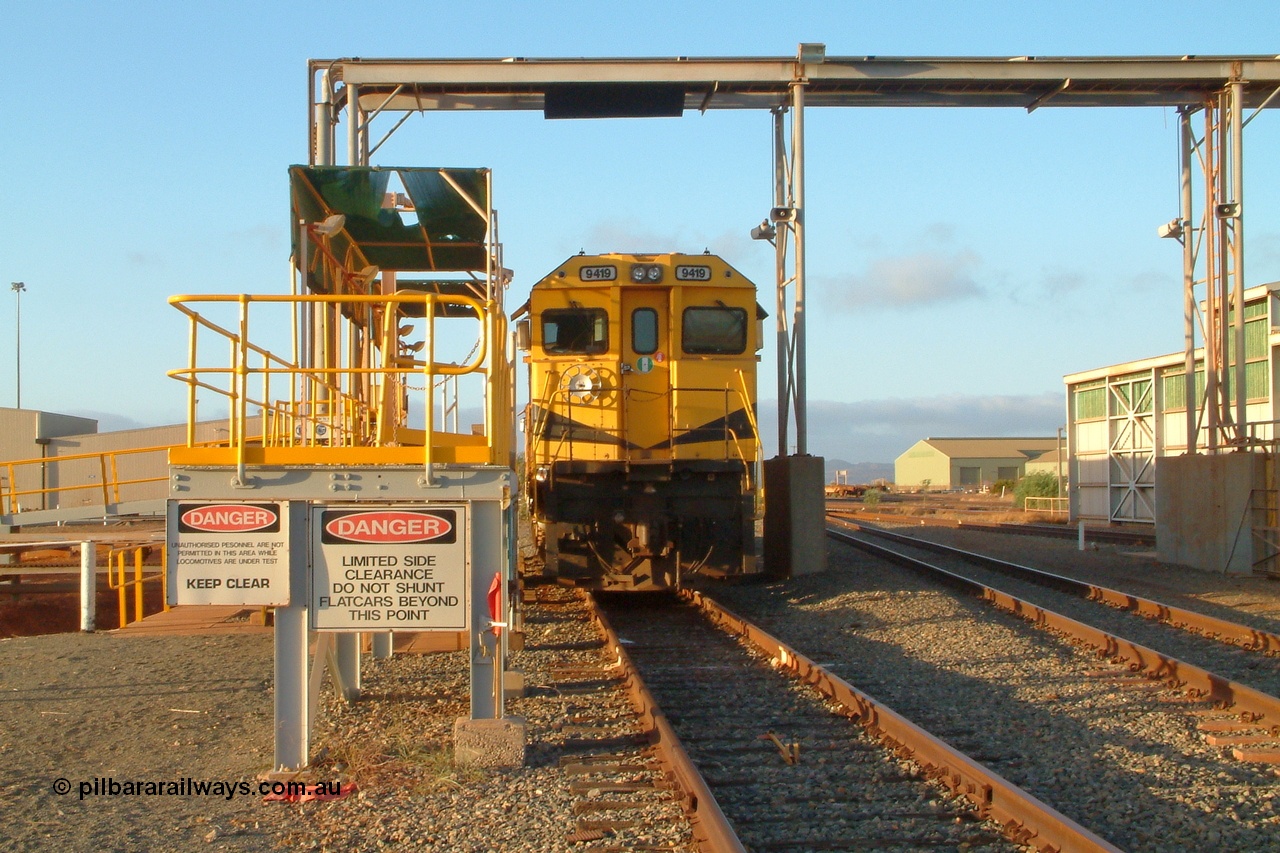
[{"x": 960, "y": 261}]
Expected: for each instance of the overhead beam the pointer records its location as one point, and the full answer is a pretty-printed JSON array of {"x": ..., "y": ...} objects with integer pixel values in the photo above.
[
  {"x": 763, "y": 83},
  {"x": 601, "y": 87}
]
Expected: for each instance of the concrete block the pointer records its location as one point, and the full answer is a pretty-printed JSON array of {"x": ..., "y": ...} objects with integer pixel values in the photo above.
[
  {"x": 1203, "y": 511},
  {"x": 489, "y": 743},
  {"x": 795, "y": 537}
]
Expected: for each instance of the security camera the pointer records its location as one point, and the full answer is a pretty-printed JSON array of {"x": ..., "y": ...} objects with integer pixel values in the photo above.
[
  {"x": 764, "y": 231},
  {"x": 1171, "y": 229}
]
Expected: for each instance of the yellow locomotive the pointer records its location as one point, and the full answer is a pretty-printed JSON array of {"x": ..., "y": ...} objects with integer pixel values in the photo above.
[{"x": 641, "y": 446}]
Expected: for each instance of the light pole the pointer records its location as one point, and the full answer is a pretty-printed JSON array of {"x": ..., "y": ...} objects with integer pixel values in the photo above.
[{"x": 17, "y": 287}]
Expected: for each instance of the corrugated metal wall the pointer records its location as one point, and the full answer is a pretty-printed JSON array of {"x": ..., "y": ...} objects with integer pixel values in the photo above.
[
  {"x": 22, "y": 436},
  {"x": 922, "y": 464},
  {"x": 80, "y": 481}
]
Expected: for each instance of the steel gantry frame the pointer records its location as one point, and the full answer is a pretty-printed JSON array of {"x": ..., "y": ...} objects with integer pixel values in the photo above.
[
  {"x": 1213, "y": 258},
  {"x": 1222, "y": 88}
]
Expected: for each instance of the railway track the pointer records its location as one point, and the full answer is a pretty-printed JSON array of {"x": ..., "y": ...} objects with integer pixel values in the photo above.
[
  {"x": 1118, "y": 752},
  {"x": 1244, "y": 636},
  {"x": 1129, "y": 538},
  {"x": 788, "y": 768},
  {"x": 1241, "y": 685},
  {"x": 628, "y": 787},
  {"x": 1139, "y": 761}
]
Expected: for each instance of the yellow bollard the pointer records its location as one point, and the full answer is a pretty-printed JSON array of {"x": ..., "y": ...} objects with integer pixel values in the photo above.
[{"x": 137, "y": 584}]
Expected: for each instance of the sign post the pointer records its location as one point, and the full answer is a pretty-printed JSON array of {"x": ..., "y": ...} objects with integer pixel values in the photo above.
[
  {"x": 293, "y": 718},
  {"x": 392, "y": 554}
]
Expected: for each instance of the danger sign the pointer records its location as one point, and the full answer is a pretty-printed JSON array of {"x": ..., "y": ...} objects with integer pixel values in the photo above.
[
  {"x": 389, "y": 568},
  {"x": 389, "y": 526},
  {"x": 227, "y": 553},
  {"x": 229, "y": 518}
]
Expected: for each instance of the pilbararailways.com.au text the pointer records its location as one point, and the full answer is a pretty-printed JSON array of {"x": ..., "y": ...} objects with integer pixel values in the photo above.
[{"x": 110, "y": 787}]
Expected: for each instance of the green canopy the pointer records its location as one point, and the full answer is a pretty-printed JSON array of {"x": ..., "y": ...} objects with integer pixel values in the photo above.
[{"x": 451, "y": 206}]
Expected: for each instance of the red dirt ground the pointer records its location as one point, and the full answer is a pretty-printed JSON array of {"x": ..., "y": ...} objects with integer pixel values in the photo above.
[{"x": 59, "y": 612}]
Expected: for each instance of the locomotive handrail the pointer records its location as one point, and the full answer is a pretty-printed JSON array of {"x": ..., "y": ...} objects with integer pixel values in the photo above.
[
  {"x": 550, "y": 395},
  {"x": 638, "y": 451}
]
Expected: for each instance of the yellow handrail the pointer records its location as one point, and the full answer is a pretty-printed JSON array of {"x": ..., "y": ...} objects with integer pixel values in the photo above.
[
  {"x": 118, "y": 579},
  {"x": 352, "y": 390},
  {"x": 108, "y": 485}
]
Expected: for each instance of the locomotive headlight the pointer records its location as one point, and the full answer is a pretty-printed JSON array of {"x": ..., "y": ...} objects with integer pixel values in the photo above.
[
  {"x": 642, "y": 273},
  {"x": 541, "y": 473}
]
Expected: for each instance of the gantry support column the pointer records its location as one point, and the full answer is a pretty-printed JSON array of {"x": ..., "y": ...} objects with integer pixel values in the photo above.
[
  {"x": 1234, "y": 225},
  {"x": 794, "y": 512},
  {"x": 781, "y": 201},
  {"x": 1213, "y": 255},
  {"x": 787, "y": 218},
  {"x": 798, "y": 353},
  {"x": 1187, "y": 154}
]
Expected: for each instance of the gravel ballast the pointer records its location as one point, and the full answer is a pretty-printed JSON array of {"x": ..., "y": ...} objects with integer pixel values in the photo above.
[
  {"x": 80, "y": 707},
  {"x": 163, "y": 709},
  {"x": 1124, "y": 762}
]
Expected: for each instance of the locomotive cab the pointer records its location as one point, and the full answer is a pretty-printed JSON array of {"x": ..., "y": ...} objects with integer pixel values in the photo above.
[{"x": 641, "y": 451}]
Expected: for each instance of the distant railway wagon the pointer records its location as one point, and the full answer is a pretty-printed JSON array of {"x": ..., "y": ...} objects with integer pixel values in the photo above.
[{"x": 641, "y": 447}]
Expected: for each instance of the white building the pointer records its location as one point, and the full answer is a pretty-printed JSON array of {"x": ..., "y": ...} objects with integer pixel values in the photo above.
[{"x": 1122, "y": 419}]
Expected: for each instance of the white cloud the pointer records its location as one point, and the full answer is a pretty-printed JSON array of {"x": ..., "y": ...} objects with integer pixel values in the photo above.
[
  {"x": 1265, "y": 248},
  {"x": 908, "y": 281},
  {"x": 1057, "y": 282},
  {"x": 141, "y": 259},
  {"x": 941, "y": 232},
  {"x": 1153, "y": 280},
  {"x": 881, "y": 430},
  {"x": 629, "y": 235},
  {"x": 109, "y": 421},
  {"x": 266, "y": 237}
]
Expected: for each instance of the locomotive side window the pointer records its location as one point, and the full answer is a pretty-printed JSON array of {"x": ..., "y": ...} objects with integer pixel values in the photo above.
[
  {"x": 644, "y": 331},
  {"x": 714, "y": 331},
  {"x": 575, "y": 331}
]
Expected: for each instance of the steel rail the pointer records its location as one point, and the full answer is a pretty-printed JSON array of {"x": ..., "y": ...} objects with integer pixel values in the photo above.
[
  {"x": 1026, "y": 819},
  {"x": 1053, "y": 531},
  {"x": 1211, "y": 627},
  {"x": 1264, "y": 708},
  {"x": 711, "y": 829}
]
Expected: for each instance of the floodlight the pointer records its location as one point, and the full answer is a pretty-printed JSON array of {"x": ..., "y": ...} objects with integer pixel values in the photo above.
[
  {"x": 366, "y": 275},
  {"x": 331, "y": 225},
  {"x": 1171, "y": 230},
  {"x": 764, "y": 231}
]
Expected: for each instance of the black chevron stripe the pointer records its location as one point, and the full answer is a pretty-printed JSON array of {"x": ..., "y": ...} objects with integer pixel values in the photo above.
[{"x": 557, "y": 427}]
